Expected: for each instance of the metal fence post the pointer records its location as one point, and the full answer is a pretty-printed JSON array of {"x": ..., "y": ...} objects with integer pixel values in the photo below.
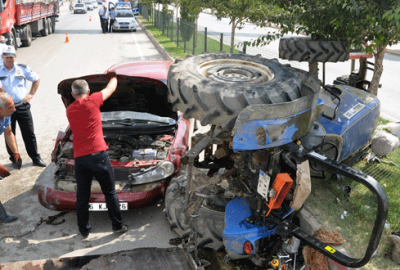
[
  {"x": 194, "y": 38},
  {"x": 205, "y": 39},
  {"x": 221, "y": 43},
  {"x": 177, "y": 31},
  {"x": 162, "y": 22},
  {"x": 172, "y": 29},
  {"x": 244, "y": 47}
]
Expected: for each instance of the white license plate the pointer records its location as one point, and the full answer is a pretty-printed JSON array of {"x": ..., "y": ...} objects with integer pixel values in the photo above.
[
  {"x": 123, "y": 206},
  {"x": 263, "y": 184}
]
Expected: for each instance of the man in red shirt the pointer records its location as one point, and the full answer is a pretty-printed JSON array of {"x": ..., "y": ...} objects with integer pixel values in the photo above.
[{"x": 91, "y": 158}]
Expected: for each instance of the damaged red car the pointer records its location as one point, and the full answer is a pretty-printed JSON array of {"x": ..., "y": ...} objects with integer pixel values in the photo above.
[{"x": 146, "y": 140}]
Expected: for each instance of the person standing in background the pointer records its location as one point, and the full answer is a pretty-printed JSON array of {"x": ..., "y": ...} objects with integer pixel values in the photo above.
[{"x": 112, "y": 18}]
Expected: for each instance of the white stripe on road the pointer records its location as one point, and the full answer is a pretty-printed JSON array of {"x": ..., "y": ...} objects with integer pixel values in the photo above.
[
  {"x": 51, "y": 60},
  {"x": 139, "y": 50}
]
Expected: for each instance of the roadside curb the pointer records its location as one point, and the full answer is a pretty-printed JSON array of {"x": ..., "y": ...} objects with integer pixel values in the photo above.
[{"x": 159, "y": 48}]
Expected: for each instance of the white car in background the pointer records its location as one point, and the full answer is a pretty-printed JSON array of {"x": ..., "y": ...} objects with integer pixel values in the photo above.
[
  {"x": 80, "y": 8},
  {"x": 95, "y": 5},
  {"x": 124, "y": 21},
  {"x": 89, "y": 5}
]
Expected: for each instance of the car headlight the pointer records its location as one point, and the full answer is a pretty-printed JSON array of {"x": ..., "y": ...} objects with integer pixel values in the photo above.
[{"x": 160, "y": 172}]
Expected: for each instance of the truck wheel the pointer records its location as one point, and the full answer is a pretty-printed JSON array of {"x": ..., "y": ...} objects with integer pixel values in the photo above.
[
  {"x": 28, "y": 41},
  {"x": 209, "y": 225},
  {"x": 215, "y": 88},
  {"x": 306, "y": 49},
  {"x": 11, "y": 38},
  {"x": 53, "y": 25},
  {"x": 49, "y": 25},
  {"x": 45, "y": 31}
]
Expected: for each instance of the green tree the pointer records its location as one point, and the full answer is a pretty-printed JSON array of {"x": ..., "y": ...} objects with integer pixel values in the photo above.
[
  {"x": 238, "y": 11},
  {"x": 370, "y": 25}
]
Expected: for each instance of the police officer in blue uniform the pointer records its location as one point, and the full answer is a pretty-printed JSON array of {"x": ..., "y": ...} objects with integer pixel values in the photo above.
[{"x": 13, "y": 77}]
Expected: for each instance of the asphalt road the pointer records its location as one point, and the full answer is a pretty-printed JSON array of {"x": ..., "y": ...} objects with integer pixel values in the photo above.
[{"x": 88, "y": 51}]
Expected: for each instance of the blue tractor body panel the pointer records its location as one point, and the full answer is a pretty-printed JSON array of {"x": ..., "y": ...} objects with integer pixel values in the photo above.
[
  {"x": 238, "y": 231},
  {"x": 355, "y": 122}
]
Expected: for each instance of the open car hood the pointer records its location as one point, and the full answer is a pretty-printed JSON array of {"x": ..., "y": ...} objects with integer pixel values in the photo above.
[{"x": 138, "y": 94}]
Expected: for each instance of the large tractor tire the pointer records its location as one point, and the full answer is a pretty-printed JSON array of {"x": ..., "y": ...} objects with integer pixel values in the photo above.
[
  {"x": 308, "y": 50},
  {"x": 215, "y": 88},
  {"x": 209, "y": 224}
]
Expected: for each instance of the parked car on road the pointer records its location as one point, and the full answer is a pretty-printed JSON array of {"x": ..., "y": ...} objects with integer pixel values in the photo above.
[
  {"x": 124, "y": 21},
  {"x": 89, "y": 5},
  {"x": 80, "y": 8},
  {"x": 146, "y": 140},
  {"x": 95, "y": 5}
]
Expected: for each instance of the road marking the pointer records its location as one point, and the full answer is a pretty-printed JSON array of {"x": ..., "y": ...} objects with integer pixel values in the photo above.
[
  {"x": 51, "y": 60},
  {"x": 138, "y": 47}
]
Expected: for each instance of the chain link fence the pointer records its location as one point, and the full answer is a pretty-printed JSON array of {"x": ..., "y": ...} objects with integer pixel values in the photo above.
[{"x": 187, "y": 35}]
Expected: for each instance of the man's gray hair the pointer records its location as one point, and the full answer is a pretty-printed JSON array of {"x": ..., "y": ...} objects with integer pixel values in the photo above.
[
  {"x": 80, "y": 87},
  {"x": 3, "y": 99}
]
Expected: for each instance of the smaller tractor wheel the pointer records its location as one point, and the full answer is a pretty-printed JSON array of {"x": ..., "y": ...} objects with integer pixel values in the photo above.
[
  {"x": 308, "y": 50},
  {"x": 209, "y": 224}
]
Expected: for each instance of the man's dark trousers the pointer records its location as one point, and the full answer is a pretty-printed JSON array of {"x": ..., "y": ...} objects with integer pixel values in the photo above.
[
  {"x": 105, "y": 25},
  {"x": 23, "y": 116},
  {"x": 99, "y": 166}
]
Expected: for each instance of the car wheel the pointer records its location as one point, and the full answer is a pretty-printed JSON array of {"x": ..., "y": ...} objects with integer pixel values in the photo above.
[
  {"x": 306, "y": 49},
  {"x": 215, "y": 88},
  {"x": 209, "y": 225},
  {"x": 134, "y": 30}
]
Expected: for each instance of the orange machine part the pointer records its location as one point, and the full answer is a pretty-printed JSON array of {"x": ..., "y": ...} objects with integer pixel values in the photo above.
[{"x": 282, "y": 184}]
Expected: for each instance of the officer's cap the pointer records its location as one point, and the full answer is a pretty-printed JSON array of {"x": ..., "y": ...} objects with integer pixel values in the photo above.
[{"x": 9, "y": 51}]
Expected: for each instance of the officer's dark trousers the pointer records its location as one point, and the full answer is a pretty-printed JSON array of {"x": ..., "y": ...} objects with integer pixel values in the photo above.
[
  {"x": 23, "y": 116},
  {"x": 98, "y": 166}
]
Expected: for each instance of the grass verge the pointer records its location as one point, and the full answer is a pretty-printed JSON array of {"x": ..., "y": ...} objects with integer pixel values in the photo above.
[
  {"x": 353, "y": 216},
  {"x": 176, "y": 52}
]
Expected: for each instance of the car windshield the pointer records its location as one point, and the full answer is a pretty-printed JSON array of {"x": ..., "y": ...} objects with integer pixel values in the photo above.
[
  {"x": 79, "y": 5},
  {"x": 88, "y": 3},
  {"x": 124, "y": 14},
  {"x": 135, "y": 5},
  {"x": 129, "y": 117}
]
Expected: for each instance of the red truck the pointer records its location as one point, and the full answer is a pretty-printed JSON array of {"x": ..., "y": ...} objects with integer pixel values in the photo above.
[{"x": 22, "y": 19}]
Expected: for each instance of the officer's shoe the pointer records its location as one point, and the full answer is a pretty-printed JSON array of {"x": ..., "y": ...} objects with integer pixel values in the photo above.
[{"x": 39, "y": 162}]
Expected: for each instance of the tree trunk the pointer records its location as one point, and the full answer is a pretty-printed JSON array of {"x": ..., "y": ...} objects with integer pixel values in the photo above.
[
  {"x": 313, "y": 68},
  {"x": 362, "y": 71},
  {"x": 233, "y": 35},
  {"x": 378, "y": 69}
]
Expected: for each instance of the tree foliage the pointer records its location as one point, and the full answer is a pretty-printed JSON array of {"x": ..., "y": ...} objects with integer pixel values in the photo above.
[
  {"x": 238, "y": 11},
  {"x": 371, "y": 25}
]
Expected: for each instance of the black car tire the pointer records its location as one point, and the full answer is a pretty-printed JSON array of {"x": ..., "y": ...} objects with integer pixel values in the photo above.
[
  {"x": 215, "y": 88},
  {"x": 209, "y": 225},
  {"x": 308, "y": 50}
]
